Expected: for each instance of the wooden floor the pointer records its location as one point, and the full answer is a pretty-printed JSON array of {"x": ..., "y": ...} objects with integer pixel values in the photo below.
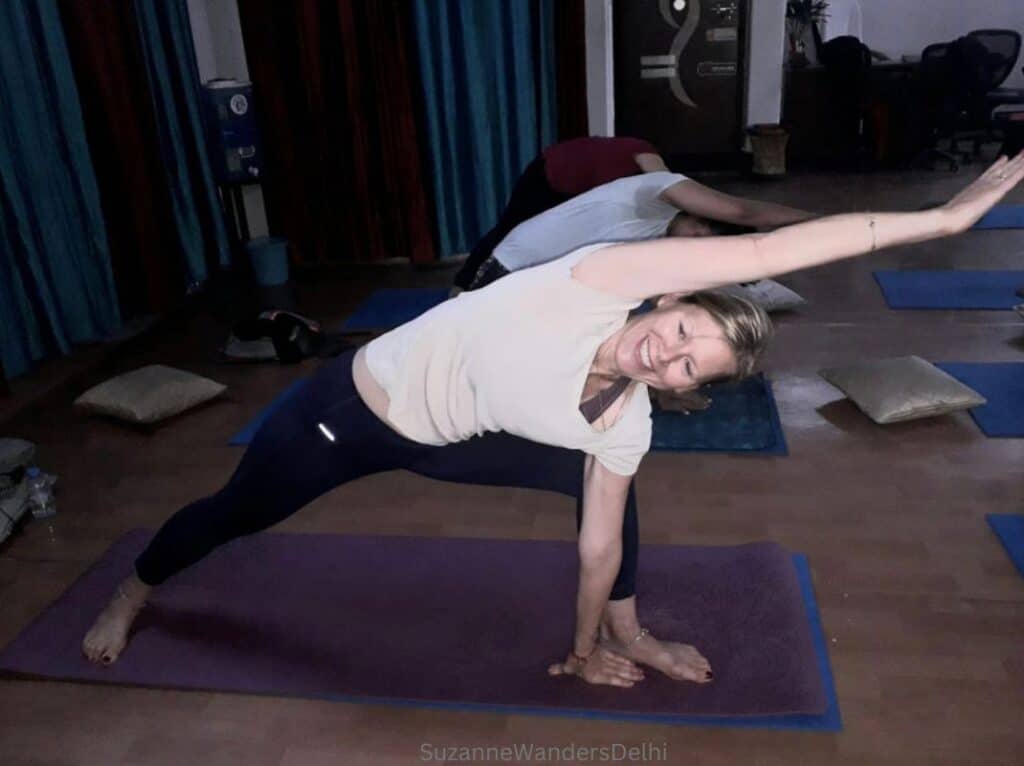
[{"x": 923, "y": 611}]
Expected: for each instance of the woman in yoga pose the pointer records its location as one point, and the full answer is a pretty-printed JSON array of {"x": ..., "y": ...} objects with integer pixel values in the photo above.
[{"x": 535, "y": 381}]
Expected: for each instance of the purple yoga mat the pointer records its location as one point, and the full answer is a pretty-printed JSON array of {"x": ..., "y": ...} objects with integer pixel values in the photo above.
[{"x": 437, "y": 621}]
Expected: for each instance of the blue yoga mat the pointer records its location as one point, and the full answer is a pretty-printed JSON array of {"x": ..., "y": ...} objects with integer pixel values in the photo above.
[
  {"x": 391, "y": 307},
  {"x": 1003, "y": 217},
  {"x": 979, "y": 290},
  {"x": 1002, "y": 384},
  {"x": 1009, "y": 528},
  {"x": 742, "y": 418}
]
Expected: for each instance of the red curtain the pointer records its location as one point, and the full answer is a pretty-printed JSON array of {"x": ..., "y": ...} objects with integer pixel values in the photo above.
[
  {"x": 103, "y": 44},
  {"x": 338, "y": 100}
]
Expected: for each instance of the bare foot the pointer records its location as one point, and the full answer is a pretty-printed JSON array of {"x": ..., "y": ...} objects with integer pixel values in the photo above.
[
  {"x": 681, "y": 662},
  {"x": 106, "y": 639}
]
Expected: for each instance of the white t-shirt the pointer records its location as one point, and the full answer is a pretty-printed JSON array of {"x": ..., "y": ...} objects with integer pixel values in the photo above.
[
  {"x": 515, "y": 358},
  {"x": 624, "y": 210}
]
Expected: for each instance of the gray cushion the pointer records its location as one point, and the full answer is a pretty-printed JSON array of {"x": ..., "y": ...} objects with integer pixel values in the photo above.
[
  {"x": 906, "y": 388},
  {"x": 1019, "y": 308},
  {"x": 149, "y": 394},
  {"x": 15, "y": 454},
  {"x": 768, "y": 294}
]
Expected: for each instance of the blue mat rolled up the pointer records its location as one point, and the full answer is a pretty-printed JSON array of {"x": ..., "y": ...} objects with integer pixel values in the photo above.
[
  {"x": 1002, "y": 217},
  {"x": 1009, "y": 528},
  {"x": 391, "y": 307},
  {"x": 924, "y": 289},
  {"x": 742, "y": 418},
  {"x": 1002, "y": 384}
]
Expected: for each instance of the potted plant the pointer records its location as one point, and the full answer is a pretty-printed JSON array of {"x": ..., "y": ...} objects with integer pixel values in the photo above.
[{"x": 802, "y": 17}]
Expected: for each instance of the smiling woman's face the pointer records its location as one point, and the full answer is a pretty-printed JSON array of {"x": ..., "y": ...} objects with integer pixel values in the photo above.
[{"x": 677, "y": 347}]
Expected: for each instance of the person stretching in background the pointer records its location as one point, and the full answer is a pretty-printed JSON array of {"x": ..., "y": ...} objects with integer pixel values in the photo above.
[{"x": 568, "y": 169}]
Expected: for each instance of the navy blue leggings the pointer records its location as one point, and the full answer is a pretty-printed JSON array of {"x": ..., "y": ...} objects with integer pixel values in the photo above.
[{"x": 291, "y": 462}]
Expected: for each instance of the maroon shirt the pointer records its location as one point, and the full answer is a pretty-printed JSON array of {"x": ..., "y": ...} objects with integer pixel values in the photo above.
[{"x": 576, "y": 166}]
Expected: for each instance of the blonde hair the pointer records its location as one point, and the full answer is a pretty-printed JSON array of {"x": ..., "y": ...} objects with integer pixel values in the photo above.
[{"x": 746, "y": 326}]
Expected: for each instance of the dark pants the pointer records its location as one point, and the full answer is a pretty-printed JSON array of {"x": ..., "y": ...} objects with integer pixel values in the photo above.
[
  {"x": 490, "y": 270},
  {"x": 531, "y": 196},
  {"x": 292, "y": 462}
]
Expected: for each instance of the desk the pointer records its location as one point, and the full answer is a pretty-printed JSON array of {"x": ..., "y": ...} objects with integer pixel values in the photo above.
[
  {"x": 1011, "y": 122},
  {"x": 824, "y": 126}
]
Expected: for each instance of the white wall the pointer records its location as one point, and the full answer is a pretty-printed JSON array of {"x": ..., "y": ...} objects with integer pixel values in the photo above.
[
  {"x": 898, "y": 27},
  {"x": 767, "y": 25},
  {"x": 600, "y": 69},
  {"x": 220, "y": 52}
]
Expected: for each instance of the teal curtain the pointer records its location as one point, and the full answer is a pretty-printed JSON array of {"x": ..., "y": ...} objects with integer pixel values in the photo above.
[
  {"x": 488, "y": 79},
  {"x": 56, "y": 286},
  {"x": 166, "y": 39}
]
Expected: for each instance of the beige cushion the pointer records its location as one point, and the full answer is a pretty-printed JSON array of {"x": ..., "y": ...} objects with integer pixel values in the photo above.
[
  {"x": 891, "y": 390},
  {"x": 149, "y": 394},
  {"x": 768, "y": 294}
]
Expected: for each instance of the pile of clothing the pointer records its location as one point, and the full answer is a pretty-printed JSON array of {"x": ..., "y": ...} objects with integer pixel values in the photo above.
[
  {"x": 283, "y": 336},
  {"x": 15, "y": 458}
]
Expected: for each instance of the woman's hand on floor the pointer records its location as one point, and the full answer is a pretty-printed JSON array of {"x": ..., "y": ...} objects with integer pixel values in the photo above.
[{"x": 603, "y": 666}]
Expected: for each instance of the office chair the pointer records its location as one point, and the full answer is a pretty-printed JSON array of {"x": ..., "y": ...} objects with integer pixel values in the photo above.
[
  {"x": 955, "y": 78},
  {"x": 847, "y": 63},
  {"x": 1003, "y": 48},
  {"x": 938, "y": 109}
]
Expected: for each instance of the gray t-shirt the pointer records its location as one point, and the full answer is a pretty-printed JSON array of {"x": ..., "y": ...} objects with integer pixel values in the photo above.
[{"x": 624, "y": 210}]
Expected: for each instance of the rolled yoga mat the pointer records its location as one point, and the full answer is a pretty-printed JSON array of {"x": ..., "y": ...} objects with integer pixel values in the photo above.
[
  {"x": 1002, "y": 217},
  {"x": 1009, "y": 528},
  {"x": 924, "y": 289},
  {"x": 1002, "y": 384},
  {"x": 742, "y": 418},
  {"x": 391, "y": 307},
  {"x": 454, "y": 623}
]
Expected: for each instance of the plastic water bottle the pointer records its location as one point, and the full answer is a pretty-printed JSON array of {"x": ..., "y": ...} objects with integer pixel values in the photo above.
[{"x": 40, "y": 493}]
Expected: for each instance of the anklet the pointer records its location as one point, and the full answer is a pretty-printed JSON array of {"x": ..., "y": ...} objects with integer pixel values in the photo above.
[
  {"x": 643, "y": 632},
  {"x": 122, "y": 595}
]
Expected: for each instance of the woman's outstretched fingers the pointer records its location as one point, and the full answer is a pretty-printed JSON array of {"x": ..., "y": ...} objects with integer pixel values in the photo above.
[
  {"x": 602, "y": 667},
  {"x": 617, "y": 681},
  {"x": 558, "y": 669},
  {"x": 994, "y": 167},
  {"x": 627, "y": 669}
]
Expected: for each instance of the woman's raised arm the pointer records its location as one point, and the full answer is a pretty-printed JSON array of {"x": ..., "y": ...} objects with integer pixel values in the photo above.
[{"x": 676, "y": 264}]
